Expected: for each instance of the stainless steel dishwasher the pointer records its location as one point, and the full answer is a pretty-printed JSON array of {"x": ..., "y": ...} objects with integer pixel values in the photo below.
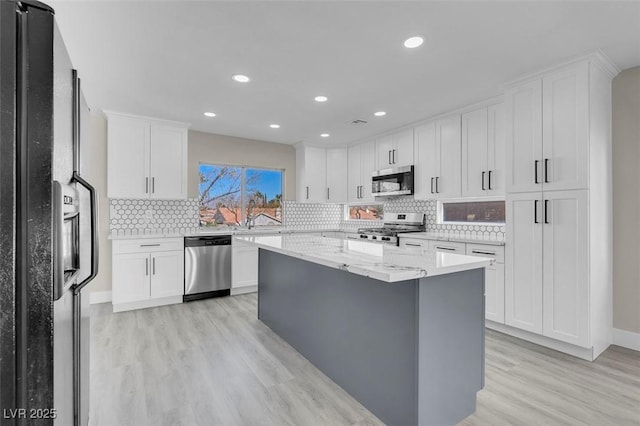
[{"x": 207, "y": 267}]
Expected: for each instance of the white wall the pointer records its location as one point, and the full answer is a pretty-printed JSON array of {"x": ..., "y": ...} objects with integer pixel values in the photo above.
[{"x": 626, "y": 200}]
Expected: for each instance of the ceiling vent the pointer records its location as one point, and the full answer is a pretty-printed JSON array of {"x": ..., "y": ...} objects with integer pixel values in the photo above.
[{"x": 358, "y": 122}]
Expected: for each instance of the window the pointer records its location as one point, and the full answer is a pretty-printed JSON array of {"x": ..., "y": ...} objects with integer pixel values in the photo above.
[
  {"x": 366, "y": 212},
  {"x": 229, "y": 195},
  {"x": 474, "y": 212}
]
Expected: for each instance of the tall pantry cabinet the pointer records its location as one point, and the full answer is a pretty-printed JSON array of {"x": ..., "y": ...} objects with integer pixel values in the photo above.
[{"x": 559, "y": 224}]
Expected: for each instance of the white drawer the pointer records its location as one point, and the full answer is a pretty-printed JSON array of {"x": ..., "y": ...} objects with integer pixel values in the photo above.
[
  {"x": 447, "y": 246},
  {"x": 414, "y": 243},
  {"x": 493, "y": 252},
  {"x": 147, "y": 245}
]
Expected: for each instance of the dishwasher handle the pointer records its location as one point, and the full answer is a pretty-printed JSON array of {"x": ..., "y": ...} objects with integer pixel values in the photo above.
[{"x": 218, "y": 240}]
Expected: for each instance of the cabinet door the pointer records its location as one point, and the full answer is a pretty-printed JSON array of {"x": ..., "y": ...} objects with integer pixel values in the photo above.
[
  {"x": 354, "y": 174},
  {"x": 524, "y": 137},
  {"x": 384, "y": 152},
  {"x": 565, "y": 266},
  {"x": 402, "y": 150},
  {"x": 565, "y": 132},
  {"x": 368, "y": 162},
  {"x": 244, "y": 271},
  {"x": 167, "y": 274},
  {"x": 128, "y": 158},
  {"x": 425, "y": 156},
  {"x": 475, "y": 170},
  {"x": 131, "y": 277},
  {"x": 168, "y": 161},
  {"x": 494, "y": 292},
  {"x": 495, "y": 150},
  {"x": 449, "y": 140},
  {"x": 523, "y": 262},
  {"x": 311, "y": 169},
  {"x": 337, "y": 170}
]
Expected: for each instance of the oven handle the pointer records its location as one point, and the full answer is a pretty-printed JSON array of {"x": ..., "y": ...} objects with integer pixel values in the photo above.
[{"x": 94, "y": 232}]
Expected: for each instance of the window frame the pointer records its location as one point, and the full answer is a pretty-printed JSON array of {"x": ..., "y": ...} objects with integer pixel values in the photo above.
[
  {"x": 348, "y": 206},
  {"x": 243, "y": 176},
  {"x": 440, "y": 212}
]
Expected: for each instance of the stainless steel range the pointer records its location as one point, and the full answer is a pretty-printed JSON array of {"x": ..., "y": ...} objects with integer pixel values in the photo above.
[{"x": 395, "y": 223}]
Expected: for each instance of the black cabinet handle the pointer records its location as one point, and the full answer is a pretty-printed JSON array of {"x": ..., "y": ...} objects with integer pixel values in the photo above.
[
  {"x": 546, "y": 207},
  {"x": 153, "y": 261},
  {"x": 146, "y": 185},
  {"x": 535, "y": 167},
  {"x": 432, "y": 185},
  {"x": 153, "y": 185},
  {"x": 483, "y": 188},
  {"x": 307, "y": 192},
  {"x": 394, "y": 156},
  {"x": 483, "y": 252},
  {"x": 390, "y": 157},
  {"x": 437, "y": 178},
  {"x": 445, "y": 248},
  {"x": 546, "y": 170},
  {"x": 328, "y": 198},
  {"x": 535, "y": 211},
  {"x": 146, "y": 267},
  {"x": 413, "y": 245},
  {"x": 490, "y": 179},
  {"x": 149, "y": 245}
]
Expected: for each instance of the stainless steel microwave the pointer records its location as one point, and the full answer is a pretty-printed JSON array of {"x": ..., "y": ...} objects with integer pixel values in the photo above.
[{"x": 392, "y": 182}]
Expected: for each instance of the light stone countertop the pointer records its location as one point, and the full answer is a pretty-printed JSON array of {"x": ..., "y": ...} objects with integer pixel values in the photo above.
[
  {"x": 230, "y": 231},
  {"x": 379, "y": 261},
  {"x": 461, "y": 239}
]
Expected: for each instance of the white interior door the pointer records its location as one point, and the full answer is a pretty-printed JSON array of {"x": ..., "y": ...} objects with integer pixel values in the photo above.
[
  {"x": 475, "y": 170},
  {"x": 168, "y": 162},
  {"x": 565, "y": 266},
  {"x": 523, "y": 261},
  {"x": 524, "y": 137}
]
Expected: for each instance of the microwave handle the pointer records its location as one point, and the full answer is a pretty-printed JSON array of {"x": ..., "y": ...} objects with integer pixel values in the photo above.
[{"x": 94, "y": 233}]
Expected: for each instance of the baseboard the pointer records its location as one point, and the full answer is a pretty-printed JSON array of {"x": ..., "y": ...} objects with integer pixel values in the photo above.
[
  {"x": 99, "y": 297},
  {"x": 626, "y": 339},
  {"x": 243, "y": 290},
  {"x": 150, "y": 303}
]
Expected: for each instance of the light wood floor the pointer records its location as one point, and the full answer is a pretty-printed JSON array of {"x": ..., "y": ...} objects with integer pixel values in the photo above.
[{"x": 212, "y": 362}]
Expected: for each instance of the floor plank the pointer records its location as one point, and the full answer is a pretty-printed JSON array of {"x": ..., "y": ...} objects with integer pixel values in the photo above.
[{"x": 212, "y": 362}]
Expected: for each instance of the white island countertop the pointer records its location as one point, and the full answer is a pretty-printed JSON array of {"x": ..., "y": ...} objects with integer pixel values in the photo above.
[{"x": 379, "y": 261}]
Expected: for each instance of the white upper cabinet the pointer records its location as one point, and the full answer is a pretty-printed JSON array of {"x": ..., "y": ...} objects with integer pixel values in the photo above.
[
  {"x": 361, "y": 160},
  {"x": 483, "y": 152},
  {"x": 437, "y": 171},
  {"x": 147, "y": 158},
  {"x": 548, "y": 132},
  {"x": 395, "y": 150},
  {"x": 311, "y": 174},
  {"x": 337, "y": 175}
]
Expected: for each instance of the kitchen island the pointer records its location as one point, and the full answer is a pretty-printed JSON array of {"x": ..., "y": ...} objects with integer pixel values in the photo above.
[{"x": 400, "y": 330}]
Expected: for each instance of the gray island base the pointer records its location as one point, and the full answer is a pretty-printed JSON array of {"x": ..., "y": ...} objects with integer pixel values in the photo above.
[{"x": 412, "y": 352}]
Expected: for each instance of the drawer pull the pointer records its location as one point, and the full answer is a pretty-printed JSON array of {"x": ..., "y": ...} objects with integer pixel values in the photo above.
[
  {"x": 445, "y": 248},
  {"x": 149, "y": 245},
  {"x": 483, "y": 252},
  {"x": 413, "y": 245}
]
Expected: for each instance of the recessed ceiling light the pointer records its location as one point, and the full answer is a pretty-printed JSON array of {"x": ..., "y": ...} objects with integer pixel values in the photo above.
[
  {"x": 274, "y": 126},
  {"x": 324, "y": 135},
  {"x": 380, "y": 113},
  {"x": 321, "y": 98},
  {"x": 413, "y": 42},
  {"x": 241, "y": 78},
  {"x": 210, "y": 114}
]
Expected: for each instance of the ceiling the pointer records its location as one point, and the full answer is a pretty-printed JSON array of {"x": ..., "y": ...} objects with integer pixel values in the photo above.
[{"x": 174, "y": 60}]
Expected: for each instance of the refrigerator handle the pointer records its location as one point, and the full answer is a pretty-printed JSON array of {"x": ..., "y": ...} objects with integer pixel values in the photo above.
[{"x": 94, "y": 233}]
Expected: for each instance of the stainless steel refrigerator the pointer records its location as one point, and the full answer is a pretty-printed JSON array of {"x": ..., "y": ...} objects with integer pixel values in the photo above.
[{"x": 48, "y": 229}]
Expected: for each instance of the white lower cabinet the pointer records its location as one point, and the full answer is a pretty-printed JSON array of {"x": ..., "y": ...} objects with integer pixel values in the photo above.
[
  {"x": 244, "y": 268},
  {"x": 147, "y": 272},
  {"x": 493, "y": 280},
  {"x": 493, "y": 275}
]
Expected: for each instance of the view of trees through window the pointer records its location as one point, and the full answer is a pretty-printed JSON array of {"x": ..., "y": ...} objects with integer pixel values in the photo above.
[
  {"x": 366, "y": 212},
  {"x": 234, "y": 196}
]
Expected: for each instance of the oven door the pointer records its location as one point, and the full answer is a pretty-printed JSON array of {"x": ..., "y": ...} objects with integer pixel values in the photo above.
[
  {"x": 392, "y": 182},
  {"x": 66, "y": 238}
]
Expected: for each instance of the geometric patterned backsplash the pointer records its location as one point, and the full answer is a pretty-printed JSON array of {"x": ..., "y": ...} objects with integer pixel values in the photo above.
[
  {"x": 312, "y": 216},
  {"x": 138, "y": 217}
]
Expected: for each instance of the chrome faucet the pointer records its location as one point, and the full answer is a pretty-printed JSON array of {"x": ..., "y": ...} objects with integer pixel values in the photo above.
[{"x": 250, "y": 221}]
